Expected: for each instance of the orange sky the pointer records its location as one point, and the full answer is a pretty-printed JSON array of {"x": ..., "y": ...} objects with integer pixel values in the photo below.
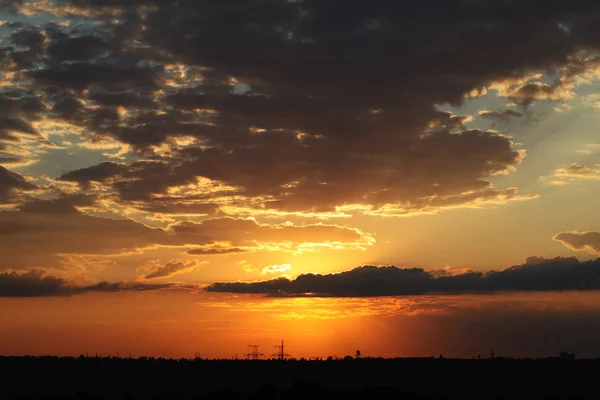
[
  {"x": 193, "y": 176},
  {"x": 179, "y": 324}
]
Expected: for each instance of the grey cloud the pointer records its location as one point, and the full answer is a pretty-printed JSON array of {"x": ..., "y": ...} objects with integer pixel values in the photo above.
[
  {"x": 216, "y": 251},
  {"x": 18, "y": 108},
  {"x": 120, "y": 98},
  {"x": 166, "y": 206},
  {"x": 18, "y": 102},
  {"x": 11, "y": 160},
  {"x": 501, "y": 115},
  {"x": 36, "y": 283},
  {"x": 580, "y": 241},
  {"x": 81, "y": 48},
  {"x": 96, "y": 173},
  {"x": 63, "y": 204},
  {"x": 17, "y": 125},
  {"x": 31, "y": 37},
  {"x": 82, "y": 75},
  {"x": 31, "y": 284},
  {"x": 10, "y": 183},
  {"x": 171, "y": 269},
  {"x": 536, "y": 274},
  {"x": 342, "y": 96}
]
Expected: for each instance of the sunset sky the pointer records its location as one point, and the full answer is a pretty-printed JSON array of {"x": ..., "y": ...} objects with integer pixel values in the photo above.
[{"x": 404, "y": 177}]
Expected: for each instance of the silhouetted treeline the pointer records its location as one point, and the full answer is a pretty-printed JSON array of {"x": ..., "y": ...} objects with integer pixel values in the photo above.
[{"x": 30, "y": 378}]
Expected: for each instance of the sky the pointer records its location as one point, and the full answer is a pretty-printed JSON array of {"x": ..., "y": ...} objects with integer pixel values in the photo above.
[{"x": 409, "y": 177}]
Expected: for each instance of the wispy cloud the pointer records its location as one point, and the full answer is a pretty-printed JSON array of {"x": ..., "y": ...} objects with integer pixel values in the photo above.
[{"x": 275, "y": 269}]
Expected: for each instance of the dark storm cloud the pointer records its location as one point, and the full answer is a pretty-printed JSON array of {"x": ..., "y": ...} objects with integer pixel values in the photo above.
[
  {"x": 35, "y": 283},
  {"x": 536, "y": 274},
  {"x": 11, "y": 183},
  {"x": 95, "y": 173},
  {"x": 31, "y": 284},
  {"x": 17, "y": 125},
  {"x": 305, "y": 105},
  {"x": 18, "y": 102},
  {"x": 82, "y": 75},
  {"x": 18, "y": 108},
  {"x": 31, "y": 37},
  {"x": 81, "y": 48},
  {"x": 61, "y": 205},
  {"x": 121, "y": 98}
]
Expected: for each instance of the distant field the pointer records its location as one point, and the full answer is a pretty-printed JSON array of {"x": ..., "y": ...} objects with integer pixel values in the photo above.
[{"x": 87, "y": 378}]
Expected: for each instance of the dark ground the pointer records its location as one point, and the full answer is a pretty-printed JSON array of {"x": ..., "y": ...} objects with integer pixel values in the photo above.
[{"x": 94, "y": 378}]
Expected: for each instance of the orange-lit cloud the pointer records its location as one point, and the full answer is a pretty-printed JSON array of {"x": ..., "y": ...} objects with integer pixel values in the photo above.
[
  {"x": 43, "y": 230},
  {"x": 575, "y": 172},
  {"x": 275, "y": 269},
  {"x": 580, "y": 241},
  {"x": 248, "y": 234}
]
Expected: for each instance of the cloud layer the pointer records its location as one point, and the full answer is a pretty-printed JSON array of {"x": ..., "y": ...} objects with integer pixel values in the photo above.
[
  {"x": 35, "y": 283},
  {"x": 190, "y": 124},
  {"x": 536, "y": 274},
  {"x": 42, "y": 231},
  {"x": 287, "y": 106}
]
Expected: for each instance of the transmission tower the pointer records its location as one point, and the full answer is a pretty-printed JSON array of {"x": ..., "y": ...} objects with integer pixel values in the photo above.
[
  {"x": 280, "y": 353},
  {"x": 253, "y": 353}
]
